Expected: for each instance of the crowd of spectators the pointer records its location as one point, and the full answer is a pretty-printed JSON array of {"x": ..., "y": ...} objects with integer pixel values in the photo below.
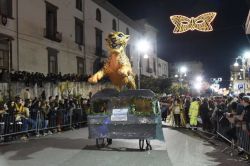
[
  {"x": 40, "y": 116},
  {"x": 39, "y": 78},
  {"x": 225, "y": 115}
]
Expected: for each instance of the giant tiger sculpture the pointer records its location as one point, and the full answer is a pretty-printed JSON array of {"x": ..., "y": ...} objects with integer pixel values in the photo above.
[{"x": 117, "y": 66}]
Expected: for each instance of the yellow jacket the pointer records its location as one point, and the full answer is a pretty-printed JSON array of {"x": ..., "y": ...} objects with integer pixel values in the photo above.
[{"x": 194, "y": 109}]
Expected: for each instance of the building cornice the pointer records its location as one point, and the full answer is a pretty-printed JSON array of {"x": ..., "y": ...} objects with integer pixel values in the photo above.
[{"x": 120, "y": 15}]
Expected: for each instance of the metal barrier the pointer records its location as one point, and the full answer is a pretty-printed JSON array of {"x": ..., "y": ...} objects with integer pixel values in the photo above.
[
  {"x": 242, "y": 135},
  {"x": 39, "y": 123}
]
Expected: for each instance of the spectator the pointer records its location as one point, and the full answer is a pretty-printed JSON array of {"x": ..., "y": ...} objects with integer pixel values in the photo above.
[
  {"x": 193, "y": 113},
  {"x": 26, "y": 94},
  {"x": 164, "y": 109},
  {"x": 204, "y": 113},
  {"x": 177, "y": 110},
  {"x": 186, "y": 109},
  {"x": 45, "y": 110}
]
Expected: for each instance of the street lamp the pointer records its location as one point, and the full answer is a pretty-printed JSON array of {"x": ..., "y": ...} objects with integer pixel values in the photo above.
[
  {"x": 198, "y": 83},
  {"x": 246, "y": 54},
  {"x": 236, "y": 64},
  {"x": 182, "y": 72},
  {"x": 143, "y": 47},
  {"x": 215, "y": 84},
  {"x": 244, "y": 57},
  {"x": 183, "y": 69},
  {"x": 199, "y": 78}
]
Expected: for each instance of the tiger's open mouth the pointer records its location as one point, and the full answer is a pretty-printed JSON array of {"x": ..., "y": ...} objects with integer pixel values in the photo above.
[{"x": 113, "y": 44}]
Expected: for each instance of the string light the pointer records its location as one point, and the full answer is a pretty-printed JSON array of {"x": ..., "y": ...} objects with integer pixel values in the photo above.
[{"x": 200, "y": 23}]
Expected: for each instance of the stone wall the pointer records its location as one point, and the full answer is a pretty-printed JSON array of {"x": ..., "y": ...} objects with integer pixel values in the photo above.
[{"x": 63, "y": 89}]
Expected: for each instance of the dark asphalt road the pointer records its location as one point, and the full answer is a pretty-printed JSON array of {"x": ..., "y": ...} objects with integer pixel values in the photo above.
[{"x": 73, "y": 148}]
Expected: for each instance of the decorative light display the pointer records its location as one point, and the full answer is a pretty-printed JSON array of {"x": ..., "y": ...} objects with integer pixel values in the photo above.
[{"x": 200, "y": 23}]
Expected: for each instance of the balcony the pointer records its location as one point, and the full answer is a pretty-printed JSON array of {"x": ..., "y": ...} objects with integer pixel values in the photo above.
[
  {"x": 235, "y": 68},
  {"x": 149, "y": 70},
  {"x": 52, "y": 36}
]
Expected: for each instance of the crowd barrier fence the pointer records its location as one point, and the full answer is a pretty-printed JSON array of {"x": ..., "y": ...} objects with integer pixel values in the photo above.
[
  {"x": 38, "y": 122},
  {"x": 226, "y": 130}
]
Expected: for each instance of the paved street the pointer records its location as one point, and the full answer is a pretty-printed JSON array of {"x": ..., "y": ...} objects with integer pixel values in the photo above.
[{"x": 181, "y": 147}]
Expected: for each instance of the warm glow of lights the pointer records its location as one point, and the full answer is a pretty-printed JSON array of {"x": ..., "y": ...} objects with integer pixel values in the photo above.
[
  {"x": 183, "y": 69},
  {"x": 200, "y": 23},
  {"x": 143, "y": 46},
  {"x": 145, "y": 56},
  {"x": 199, "y": 78},
  {"x": 246, "y": 55},
  {"x": 236, "y": 64},
  {"x": 197, "y": 85}
]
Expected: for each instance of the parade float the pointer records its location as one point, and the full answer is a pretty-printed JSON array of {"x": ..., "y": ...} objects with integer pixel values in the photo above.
[{"x": 124, "y": 112}]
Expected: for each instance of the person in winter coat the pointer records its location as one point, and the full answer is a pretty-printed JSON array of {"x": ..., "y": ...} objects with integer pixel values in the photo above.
[
  {"x": 177, "y": 110},
  {"x": 193, "y": 113},
  {"x": 204, "y": 113}
]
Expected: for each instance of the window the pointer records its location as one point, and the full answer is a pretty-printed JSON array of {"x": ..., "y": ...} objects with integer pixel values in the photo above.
[
  {"x": 4, "y": 61},
  {"x": 80, "y": 66},
  {"x": 149, "y": 69},
  {"x": 98, "y": 15},
  {"x": 97, "y": 65},
  {"x": 154, "y": 65},
  {"x": 114, "y": 25},
  {"x": 98, "y": 36},
  {"x": 79, "y": 4},
  {"x": 52, "y": 61},
  {"x": 6, "y": 7},
  {"x": 51, "y": 21},
  {"x": 128, "y": 52},
  {"x": 127, "y": 31},
  {"x": 78, "y": 31},
  {"x": 4, "y": 54},
  {"x": 148, "y": 65}
]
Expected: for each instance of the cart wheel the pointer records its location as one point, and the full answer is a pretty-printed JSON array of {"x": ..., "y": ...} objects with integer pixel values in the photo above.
[
  {"x": 148, "y": 147},
  {"x": 99, "y": 142},
  {"x": 109, "y": 141},
  {"x": 141, "y": 144}
]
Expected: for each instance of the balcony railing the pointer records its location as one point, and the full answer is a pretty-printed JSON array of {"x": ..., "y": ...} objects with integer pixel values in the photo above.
[
  {"x": 149, "y": 70},
  {"x": 55, "y": 37}
]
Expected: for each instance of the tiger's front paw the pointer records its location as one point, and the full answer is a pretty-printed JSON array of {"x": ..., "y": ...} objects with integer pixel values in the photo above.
[
  {"x": 123, "y": 72},
  {"x": 93, "y": 79}
]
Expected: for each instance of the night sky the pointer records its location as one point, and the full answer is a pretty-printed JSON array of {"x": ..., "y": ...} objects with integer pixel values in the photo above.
[{"x": 216, "y": 50}]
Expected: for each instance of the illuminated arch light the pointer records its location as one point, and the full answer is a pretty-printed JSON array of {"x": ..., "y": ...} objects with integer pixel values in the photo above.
[{"x": 200, "y": 23}]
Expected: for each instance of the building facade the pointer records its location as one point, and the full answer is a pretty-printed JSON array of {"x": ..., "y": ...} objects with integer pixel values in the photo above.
[
  {"x": 239, "y": 71},
  {"x": 239, "y": 80},
  {"x": 102, "y": 18},
  {"x": 194, "y": 68},
  {"x": 162, "y": 68},
  {"x": 52, "y": 36},
  {"x": 43, "y": 36}
]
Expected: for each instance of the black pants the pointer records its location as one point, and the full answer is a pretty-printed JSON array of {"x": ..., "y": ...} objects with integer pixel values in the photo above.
[
  {"x": 187, "y": 116},
  {"x": 177, "y": 119},
  {"x": 231, "y": 133},
  {"x": 206, "y": 123}
]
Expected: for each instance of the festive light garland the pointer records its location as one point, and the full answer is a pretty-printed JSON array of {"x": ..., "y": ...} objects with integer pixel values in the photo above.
[{"x": 200, "y": 23}]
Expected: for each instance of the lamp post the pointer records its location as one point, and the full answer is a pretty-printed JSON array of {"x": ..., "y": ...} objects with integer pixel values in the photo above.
[
  {"x": 143, "y": 48},
  {"x": 182, "y": 72},
  {"x": 215, "y": 84},
  {"x": 244, "y": 65},
  {"x": 198, "y": 83}
]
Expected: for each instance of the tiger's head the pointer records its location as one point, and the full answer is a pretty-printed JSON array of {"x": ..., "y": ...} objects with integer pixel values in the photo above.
[{"x": 117, "y": 41}]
